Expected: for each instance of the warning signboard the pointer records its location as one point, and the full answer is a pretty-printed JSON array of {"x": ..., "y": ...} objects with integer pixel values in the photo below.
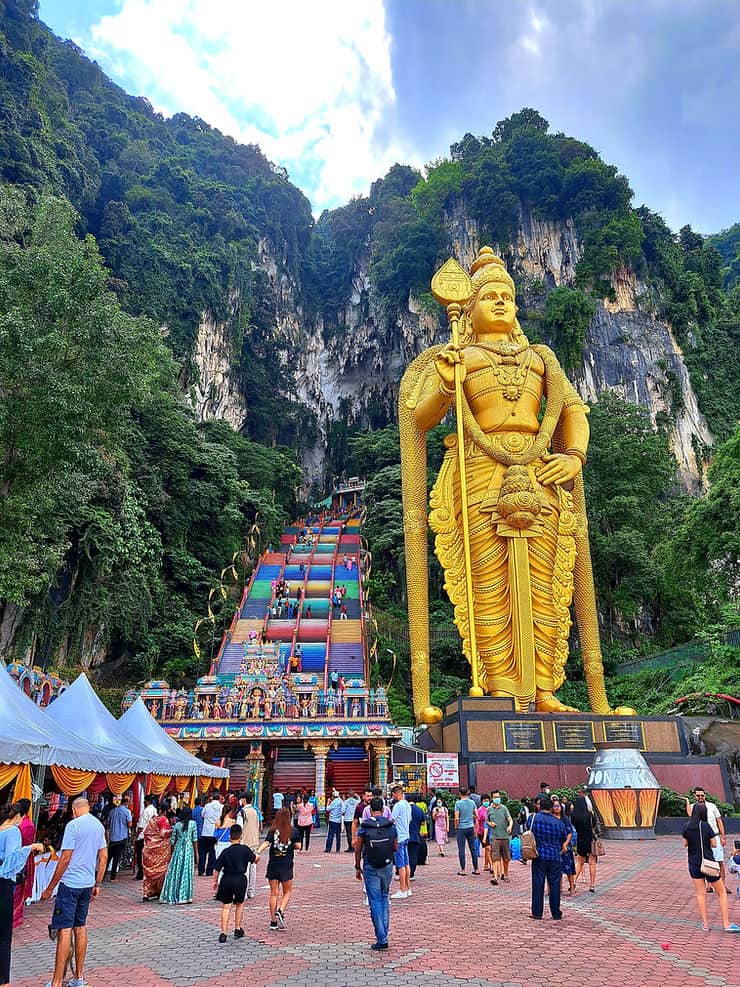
[{"x": 442, "y": 771}]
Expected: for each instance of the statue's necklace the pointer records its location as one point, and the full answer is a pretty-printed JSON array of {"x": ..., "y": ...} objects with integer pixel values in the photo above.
[{"x": 510, "y": 374}]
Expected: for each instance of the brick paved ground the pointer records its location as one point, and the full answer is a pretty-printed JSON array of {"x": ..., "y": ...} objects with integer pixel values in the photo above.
[{"x": 639, "y": 928}]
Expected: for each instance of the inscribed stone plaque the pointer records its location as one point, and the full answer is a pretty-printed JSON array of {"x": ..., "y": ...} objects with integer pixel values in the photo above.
[
  {"x": 574, "y": 735},
  {"x": 622, "y": 729},
  {"x": 523, "y": 735}
]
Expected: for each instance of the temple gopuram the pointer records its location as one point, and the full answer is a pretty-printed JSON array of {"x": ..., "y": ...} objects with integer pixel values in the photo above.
[{"x": 287, "y": 703}]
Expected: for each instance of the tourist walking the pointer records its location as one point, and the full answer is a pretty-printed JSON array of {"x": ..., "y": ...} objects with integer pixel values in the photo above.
[
  {"x": 13, "y": 858},
  {"x": 304, "y": 821},
  {"x": 156, "y": 854},
  {"x": 441, "y": 820},
  {"x": 401, "y": 817},
  {"x": 465, "y": 812},
  {"x": 24, "y": 884},
  {"x": 119, "y": 829},
  {"x": 699, "y": 839},
  {"x": 233, "y": 865},
  {"x": 334, "y": 815},
  {"x": 552, "y": 840},
  {"x": 207, "y": 847},
  {"x": 79, "y": 874},
  {"x": 499, "y": 825},
  {"x": 561, "y": 810},
  {"x": 178, "y": 883},
  {"x": 249, "y": 819},
  {"x": 585, "y": 824},
  {"x": 282, "y": 839},
  {"x": 351, "y": 801},
  {"x": 375, "y": 847},
  {"x": 716, "y": 824}
]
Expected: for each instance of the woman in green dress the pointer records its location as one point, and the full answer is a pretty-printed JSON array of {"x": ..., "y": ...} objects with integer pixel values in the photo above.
[{"x": 178, "y": 884}]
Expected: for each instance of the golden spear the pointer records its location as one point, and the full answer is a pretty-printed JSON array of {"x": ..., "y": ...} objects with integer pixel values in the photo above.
[{"x": 452, "y": 287}]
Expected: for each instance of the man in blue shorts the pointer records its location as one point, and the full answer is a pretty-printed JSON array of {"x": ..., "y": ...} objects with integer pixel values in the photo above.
[
  {"x": 79, "y": 874},
  {"x": 401, "y": 817}
]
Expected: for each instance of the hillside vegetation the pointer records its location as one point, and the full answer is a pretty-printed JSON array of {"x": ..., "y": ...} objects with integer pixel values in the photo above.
[{"x": 120, "y": 229}]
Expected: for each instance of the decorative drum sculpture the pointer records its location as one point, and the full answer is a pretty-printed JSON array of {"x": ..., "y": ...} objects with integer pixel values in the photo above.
[{"x": 625, "y": 791}]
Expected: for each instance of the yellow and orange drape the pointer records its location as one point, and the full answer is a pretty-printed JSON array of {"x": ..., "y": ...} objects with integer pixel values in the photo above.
[
  {"x": 156, "y": 784},
  {"x": 72, "y": 781},
  {"x": 21, "y": 775},
  {"x": 119, "y": 783}
]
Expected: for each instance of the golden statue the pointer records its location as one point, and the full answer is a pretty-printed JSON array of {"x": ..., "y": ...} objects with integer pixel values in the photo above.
[{"x": 507, "y": 508}]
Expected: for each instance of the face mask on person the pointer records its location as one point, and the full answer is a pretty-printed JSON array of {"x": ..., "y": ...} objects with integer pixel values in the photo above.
[
  {"x": 496, "y": 799},
  {"x": 486, "y": 803}
]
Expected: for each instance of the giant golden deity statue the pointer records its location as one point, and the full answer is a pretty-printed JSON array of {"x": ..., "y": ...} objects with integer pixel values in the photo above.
[{"x": 507, "y": 508}]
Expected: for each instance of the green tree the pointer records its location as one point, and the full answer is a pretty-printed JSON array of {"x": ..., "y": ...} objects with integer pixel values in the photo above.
[
  {"x": 568, "y": 314},
  {"x": 71, "y": 364}
]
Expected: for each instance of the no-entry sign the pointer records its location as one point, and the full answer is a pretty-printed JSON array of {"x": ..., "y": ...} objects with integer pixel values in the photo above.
[{"x": 442, "y": 771}]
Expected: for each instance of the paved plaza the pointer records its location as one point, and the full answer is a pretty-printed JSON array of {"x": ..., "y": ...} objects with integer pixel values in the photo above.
[{"x": 639, "y": 928}]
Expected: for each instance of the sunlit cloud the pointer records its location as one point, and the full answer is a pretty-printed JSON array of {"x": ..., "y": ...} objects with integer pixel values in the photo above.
[{"x": 310, "y": 83}]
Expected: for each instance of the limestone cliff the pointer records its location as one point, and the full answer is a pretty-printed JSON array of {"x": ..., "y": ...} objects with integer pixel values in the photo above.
[{"x": 348, "y": 368}]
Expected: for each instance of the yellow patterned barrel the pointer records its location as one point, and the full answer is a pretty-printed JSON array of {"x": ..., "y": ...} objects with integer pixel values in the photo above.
[{"x": 624, "y": 791}]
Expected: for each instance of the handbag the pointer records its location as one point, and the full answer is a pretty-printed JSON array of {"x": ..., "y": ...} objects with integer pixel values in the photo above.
[
  {"x": 528, "y": 843},
  {"x": 597, "y": 847},
  {"x": 709, "y": 866}
]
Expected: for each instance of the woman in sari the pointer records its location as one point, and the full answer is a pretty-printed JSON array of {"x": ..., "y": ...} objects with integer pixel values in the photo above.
[
  {"x": 24, "y": 889},
  {"x": 157, "y": 853},
  {"x": 178, "y": 884}
]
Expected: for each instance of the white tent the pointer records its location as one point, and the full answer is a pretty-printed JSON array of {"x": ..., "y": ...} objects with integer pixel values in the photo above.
[
  {"x": 79, "y": 708},
  {"x": 139, "y": 722},
  {"x": 29, "y": 736}
]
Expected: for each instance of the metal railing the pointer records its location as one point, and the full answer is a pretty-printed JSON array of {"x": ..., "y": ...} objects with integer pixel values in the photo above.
[
  {"x": 680, "y": 658},
  {"x": 398, "y": 630}
]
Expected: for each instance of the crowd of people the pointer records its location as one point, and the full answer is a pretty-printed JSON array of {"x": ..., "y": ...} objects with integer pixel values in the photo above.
[{"x": 223, "y": 837}]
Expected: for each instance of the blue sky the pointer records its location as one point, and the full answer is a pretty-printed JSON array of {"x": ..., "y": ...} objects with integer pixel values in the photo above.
[{"x": 337, "y": 90}]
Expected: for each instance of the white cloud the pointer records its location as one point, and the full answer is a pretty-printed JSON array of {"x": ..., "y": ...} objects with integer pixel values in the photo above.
[{"x": 311, "y": 83}]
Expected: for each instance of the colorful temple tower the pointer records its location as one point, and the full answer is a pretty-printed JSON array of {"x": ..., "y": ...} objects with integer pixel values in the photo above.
[{"x": 287, "y": 702}]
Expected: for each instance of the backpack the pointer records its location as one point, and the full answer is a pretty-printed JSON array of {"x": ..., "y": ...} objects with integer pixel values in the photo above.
[
  {"x": 378, "y": 839},
  {"x": 527, "y": 842}
]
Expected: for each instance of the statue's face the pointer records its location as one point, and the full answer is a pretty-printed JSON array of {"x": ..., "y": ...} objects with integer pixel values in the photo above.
[{"x": 494, "y": 309}]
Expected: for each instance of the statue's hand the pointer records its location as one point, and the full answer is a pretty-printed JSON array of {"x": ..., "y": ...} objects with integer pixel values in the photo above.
[
  {"x": 445, "y": 362},
  {"x": 558, "y": 468}
]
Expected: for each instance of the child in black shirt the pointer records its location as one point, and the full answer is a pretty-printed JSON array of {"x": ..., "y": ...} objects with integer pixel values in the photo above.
[{"x": 232, "y": 887}]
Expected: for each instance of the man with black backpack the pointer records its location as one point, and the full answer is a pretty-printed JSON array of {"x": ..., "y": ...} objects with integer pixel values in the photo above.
[{"x": 375, "y": 847}]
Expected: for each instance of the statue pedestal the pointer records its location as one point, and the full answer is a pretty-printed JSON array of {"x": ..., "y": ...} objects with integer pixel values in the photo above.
[{"x": 499, "y": 748}]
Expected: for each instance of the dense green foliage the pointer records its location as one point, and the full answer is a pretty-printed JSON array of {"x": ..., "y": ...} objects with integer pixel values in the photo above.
[
  {"x": 728, "y": 244},
  {"x": 177, "y": 208},
  {"x": 116, "y": 509}
]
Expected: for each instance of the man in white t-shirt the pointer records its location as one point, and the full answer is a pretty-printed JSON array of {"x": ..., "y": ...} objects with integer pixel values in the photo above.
[
  {"x": 249, "y": 819},
  {"x": 211, "y": 819},
  {"x": 714, "y": 818},
  {"x": 79, "y": 874}
]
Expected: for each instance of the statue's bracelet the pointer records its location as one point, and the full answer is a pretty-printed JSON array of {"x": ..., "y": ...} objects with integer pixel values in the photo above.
[
  {"x": 578, "y": 454},
  {"x": 444, "y": 390}
]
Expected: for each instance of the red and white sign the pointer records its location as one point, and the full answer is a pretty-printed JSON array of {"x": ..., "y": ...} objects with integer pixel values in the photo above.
[{"x": 442, "y": 771}]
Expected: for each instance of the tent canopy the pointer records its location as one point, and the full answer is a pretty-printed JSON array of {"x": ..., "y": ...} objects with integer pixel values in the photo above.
[
  {"x": 29, "y": 736},
  {"x": 139, "y": 722},
  {"x": 80, "y": 708}
]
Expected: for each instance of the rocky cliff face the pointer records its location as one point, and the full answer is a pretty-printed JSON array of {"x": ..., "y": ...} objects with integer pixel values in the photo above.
[
  {"x": 214, "y": 387},
  {"x": 343, "y": 371}
]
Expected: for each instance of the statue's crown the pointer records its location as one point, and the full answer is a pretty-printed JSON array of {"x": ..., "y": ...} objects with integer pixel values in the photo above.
[{"x": 488, "y": 266}]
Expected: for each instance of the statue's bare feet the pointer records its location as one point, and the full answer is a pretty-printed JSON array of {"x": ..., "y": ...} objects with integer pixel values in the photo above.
[{"x": 546, "y": 702}]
